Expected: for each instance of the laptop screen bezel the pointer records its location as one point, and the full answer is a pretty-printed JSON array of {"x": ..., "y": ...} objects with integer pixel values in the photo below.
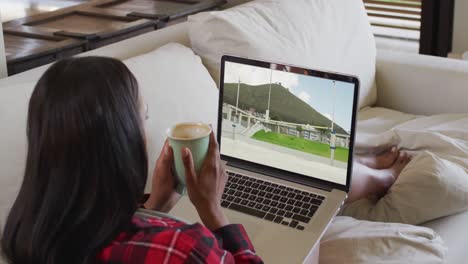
[{"x": 276, "y": 172}]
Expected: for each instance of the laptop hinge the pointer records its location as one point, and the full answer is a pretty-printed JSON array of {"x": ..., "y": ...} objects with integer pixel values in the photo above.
[{"x": 283, "y": 176}]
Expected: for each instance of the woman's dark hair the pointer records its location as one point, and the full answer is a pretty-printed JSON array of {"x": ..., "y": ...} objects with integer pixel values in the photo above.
[{"x": 86, "y": 164}]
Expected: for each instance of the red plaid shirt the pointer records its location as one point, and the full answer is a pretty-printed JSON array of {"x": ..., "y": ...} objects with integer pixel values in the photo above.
[{"x": 164, "y": 240}]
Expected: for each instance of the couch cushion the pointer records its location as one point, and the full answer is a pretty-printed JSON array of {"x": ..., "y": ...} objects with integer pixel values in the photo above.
[
  {"x": 332, "y": 35},
  {"x": 177, "y": 87}
]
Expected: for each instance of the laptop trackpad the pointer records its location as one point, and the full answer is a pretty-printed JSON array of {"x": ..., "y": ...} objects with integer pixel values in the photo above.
[
  {"x": 185, "y": 211},
  {"x": 251, "y": 224}
]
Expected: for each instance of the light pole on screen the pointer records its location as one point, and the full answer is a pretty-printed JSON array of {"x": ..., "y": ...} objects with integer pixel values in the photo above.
[
  {"x": 269, "y": 97},
  {"x": 235, "y": 116},
  {"x": 237, "y": 101},
  {"x": 333, "y": 134}
]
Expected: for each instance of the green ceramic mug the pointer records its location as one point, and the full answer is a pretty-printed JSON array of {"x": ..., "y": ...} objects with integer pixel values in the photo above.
[{"x": 192, "y": 135}]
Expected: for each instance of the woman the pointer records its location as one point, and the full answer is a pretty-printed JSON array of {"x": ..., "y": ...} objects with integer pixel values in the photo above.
[{"x": 86, "y": 171}]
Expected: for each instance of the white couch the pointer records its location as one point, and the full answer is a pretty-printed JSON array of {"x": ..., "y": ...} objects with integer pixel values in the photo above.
[
  {"x": 408, "y": 83},
  {"x": 3, "y": 66}
]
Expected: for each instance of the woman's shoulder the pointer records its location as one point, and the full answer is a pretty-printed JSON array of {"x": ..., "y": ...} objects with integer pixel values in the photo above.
[
  {"x": 152, "y": 222},
  {"x": 154, "y": 225},
  {"x": 153, "y": 239}
]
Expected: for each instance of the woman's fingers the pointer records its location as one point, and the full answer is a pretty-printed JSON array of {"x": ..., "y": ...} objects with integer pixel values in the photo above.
[
  {"x": 164, "y": 149},
  {"x": 190, "y": 174},
  {"x": 165, "y": 161},
  {"x": 213, "y": 144},
  {"x": 167, "y": 154}
]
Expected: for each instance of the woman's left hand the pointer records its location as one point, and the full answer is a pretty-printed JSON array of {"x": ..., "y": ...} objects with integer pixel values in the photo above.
[{"x": 163, "y": 196}]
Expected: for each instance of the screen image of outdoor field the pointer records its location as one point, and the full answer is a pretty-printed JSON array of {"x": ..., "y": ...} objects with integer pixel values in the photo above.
[{"x": 287, "y": 119}]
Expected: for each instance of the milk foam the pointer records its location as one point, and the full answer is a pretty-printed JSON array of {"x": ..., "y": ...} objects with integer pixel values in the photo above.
[{"x": 189, "y": 131}]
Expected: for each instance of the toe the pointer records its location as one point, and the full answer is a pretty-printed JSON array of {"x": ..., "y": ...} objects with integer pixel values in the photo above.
[
  {"x": 389, "y": 157},
  {"x": 410, "y": 157},
  {"x": 401, "y": 158}
]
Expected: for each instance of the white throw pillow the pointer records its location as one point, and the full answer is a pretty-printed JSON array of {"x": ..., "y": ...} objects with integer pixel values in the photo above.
[
  {"x": 177, "y": 88},
  {"x": 429, "y": 187},
  {"x": 353, "y": 241},
  {"x": 331, "y": 35}
]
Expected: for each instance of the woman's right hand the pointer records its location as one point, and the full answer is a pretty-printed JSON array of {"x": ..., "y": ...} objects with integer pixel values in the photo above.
[{"x": 206, "y": 188}]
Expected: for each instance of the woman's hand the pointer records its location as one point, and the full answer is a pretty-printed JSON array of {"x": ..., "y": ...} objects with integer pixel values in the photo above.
[
  {"x": 163, "y": 196},
  {"x": 206, "y": 188}
]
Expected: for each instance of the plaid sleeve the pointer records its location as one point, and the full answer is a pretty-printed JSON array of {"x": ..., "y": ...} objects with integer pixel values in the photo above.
[
  {"x": 235, "y": 240},
  {"x": 163, "y": 240},
  {"x": 230, "y": 244}
]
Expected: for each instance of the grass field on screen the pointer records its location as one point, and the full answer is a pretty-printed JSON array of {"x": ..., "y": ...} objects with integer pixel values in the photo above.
[{"x": 301, "y": 144}]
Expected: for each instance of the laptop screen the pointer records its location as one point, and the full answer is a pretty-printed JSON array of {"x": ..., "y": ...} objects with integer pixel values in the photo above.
[{"x": 287, "y": 118}]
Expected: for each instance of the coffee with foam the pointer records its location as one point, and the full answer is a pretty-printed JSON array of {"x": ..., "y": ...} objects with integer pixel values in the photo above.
[
  {"x": 186, "y": 131},
  {"x": 194, "y": 136}
]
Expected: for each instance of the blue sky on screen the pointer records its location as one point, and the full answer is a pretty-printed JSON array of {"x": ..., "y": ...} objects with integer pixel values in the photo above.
[{"x": 316, "y": 92}]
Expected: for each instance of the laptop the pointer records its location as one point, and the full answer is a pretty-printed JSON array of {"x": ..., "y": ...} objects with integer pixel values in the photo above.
[{"x": 286, "y": 134}]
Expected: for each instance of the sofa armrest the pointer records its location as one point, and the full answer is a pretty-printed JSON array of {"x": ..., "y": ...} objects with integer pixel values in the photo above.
[
  {"x": 419, "y": 84},
  {"x": 122, "y": 50},
  {"x": 3, "y": 65},
  {"x": 144, "y": 43}
]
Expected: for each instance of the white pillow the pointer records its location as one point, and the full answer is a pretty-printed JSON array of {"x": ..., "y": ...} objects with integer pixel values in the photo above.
[
  {"x": 177, "y": 88},
  {"x": 429, "y": 187},
  {"x": 353, "y": 241},
  {"x": 332, "y": 35},
  {"x": 14, "y": 102}
]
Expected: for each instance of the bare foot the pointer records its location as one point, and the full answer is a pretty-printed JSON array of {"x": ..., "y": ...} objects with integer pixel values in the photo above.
[
  {"x": 400, "y": 163},
  {"x": 385, "y": 178},
  {"x": 383, "y": 160}
]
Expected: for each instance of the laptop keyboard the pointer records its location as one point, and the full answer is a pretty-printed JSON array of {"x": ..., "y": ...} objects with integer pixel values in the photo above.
[{"x": 270, "y": 201}]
